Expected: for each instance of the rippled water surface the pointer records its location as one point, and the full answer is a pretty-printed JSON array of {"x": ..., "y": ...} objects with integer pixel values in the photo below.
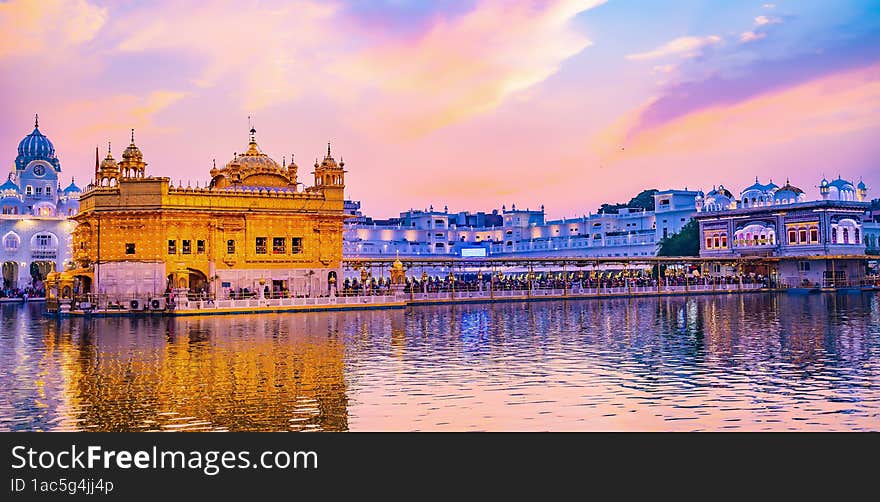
[{"x": 734, "y": 362}]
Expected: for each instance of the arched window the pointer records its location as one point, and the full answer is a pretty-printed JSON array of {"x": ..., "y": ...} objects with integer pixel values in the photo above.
[
  {"x": 814, "y": 234},
  {"x": 11, "y": 241},
  {"x": 846, "y": 236},
  {"x": 724, "y": 240},
  {"x": 792, "y": 237},
  {"x": 856, "y": 238},
  {"x": 28, "y": 190},
  {"x": 802, "y": 235}
]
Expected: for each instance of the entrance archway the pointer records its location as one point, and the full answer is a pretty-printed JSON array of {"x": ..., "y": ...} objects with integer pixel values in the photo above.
[
  {"x": 10, "y": 274},
  {"x": 331, "y": 282},
  {"x": 198, "y": 281},
  {"x": 39, "y": 270},
  {"x": 82, "y": 285}
]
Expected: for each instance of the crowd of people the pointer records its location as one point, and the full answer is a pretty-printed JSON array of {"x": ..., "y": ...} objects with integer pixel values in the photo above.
[
  {"x": 472, "y": 282},
  {"x": 22, "y": 293}
]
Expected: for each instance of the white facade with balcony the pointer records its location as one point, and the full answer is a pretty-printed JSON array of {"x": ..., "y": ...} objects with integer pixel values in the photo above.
[{"x": 523, "y": 232}]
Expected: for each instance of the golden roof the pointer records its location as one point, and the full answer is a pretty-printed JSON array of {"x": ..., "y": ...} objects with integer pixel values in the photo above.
[
  {"x": 132, "y": 153},
  {"x": 254, "y": 164},
  {"x": 109, "y": 163},
  {"x": 329, "y": 162}
]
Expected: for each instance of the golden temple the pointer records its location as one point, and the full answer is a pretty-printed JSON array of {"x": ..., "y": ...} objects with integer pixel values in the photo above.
[{"x": 255, "y": 229}]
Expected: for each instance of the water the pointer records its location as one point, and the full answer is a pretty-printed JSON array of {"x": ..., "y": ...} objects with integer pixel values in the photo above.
[{"x": 727, "y": 362}]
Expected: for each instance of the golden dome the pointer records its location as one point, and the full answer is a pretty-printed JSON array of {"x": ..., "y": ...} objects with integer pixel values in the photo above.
[
  {"x": 132, "y": 153},
  {"x": 109, "y": 163},
  {"x": 252, "y": 167},
  {"x": 329, "y": 162}
]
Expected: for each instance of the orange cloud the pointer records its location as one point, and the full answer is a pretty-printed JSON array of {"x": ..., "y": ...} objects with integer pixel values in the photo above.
[
  {"x": 33, "y": 26},
  {"x": 681, "y": 47},
  {"x": 468, "y": 65},
  {"x": 117, "y": 114},
  {"x": 830, "y": 105},
  {"x": 461, "y": 66},
  {"x": 751, "y": 36},
  {"x": 274, "y": 51},
  {"x": 764, "y": 20}
]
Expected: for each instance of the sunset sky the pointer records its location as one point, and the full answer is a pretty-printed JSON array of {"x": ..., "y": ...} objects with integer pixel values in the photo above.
[{"x": 470, "y": 104}]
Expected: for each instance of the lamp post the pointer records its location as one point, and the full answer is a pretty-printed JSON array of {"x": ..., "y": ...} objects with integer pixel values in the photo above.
[{"x": 451, "y": 285}]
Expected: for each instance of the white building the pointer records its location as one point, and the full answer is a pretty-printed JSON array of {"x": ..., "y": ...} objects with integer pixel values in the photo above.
[
  {"x": 517, "y": 232},
  {"x": 816, "y": 243},
  {"x": 35, "y": 235}
]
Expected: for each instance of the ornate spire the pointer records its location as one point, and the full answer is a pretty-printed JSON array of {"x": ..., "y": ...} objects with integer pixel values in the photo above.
[
  {"x": 108, "y": 148},
  {"x": 328, "y": 149},
  {"x": 36, "y": 121},
  {"x": 132, "y": 136}
]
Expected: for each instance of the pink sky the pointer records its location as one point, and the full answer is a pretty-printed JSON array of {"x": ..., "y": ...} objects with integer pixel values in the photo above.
[{"x": 470, "y": 104}]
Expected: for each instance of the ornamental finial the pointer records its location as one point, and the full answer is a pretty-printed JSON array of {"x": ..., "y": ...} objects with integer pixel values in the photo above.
[
  {"x": 36, "y": 121},
  {"x": 328, "y": 148},
  {"x": 132, "y": 136}
]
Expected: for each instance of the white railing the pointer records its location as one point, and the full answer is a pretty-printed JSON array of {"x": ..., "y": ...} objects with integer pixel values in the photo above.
[
  {"x": 574, "y": 291},
  {"x": 285, "y": 302},
  {"x": 208, "y": 305}
]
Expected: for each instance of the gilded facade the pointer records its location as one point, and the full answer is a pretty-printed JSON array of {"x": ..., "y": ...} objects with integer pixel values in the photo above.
[{"x": 253, "y": 229}]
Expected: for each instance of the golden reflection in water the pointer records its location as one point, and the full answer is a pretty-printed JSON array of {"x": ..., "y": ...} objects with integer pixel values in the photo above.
[
  {"x": 208, "y": 373},
  {"x": 724, "y": 362}
]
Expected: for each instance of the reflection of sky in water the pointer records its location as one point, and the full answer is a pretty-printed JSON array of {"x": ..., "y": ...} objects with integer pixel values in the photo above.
[{"x": 747, "y": 362}]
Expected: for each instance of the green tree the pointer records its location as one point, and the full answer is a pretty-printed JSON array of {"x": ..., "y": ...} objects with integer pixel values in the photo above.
[
  {"x": 684, "y": 243},
  {"x": 644, "y": 200}
]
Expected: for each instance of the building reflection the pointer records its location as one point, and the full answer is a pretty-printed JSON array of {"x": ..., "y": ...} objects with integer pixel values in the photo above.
[
  {"x": 206, "y": 373},
  {"x": 468, "y": 365}
]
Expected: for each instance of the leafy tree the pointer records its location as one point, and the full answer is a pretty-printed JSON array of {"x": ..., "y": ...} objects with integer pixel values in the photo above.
[
  {"x": 684, "y": 243},
  {"x": 644, "y": 200}
]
